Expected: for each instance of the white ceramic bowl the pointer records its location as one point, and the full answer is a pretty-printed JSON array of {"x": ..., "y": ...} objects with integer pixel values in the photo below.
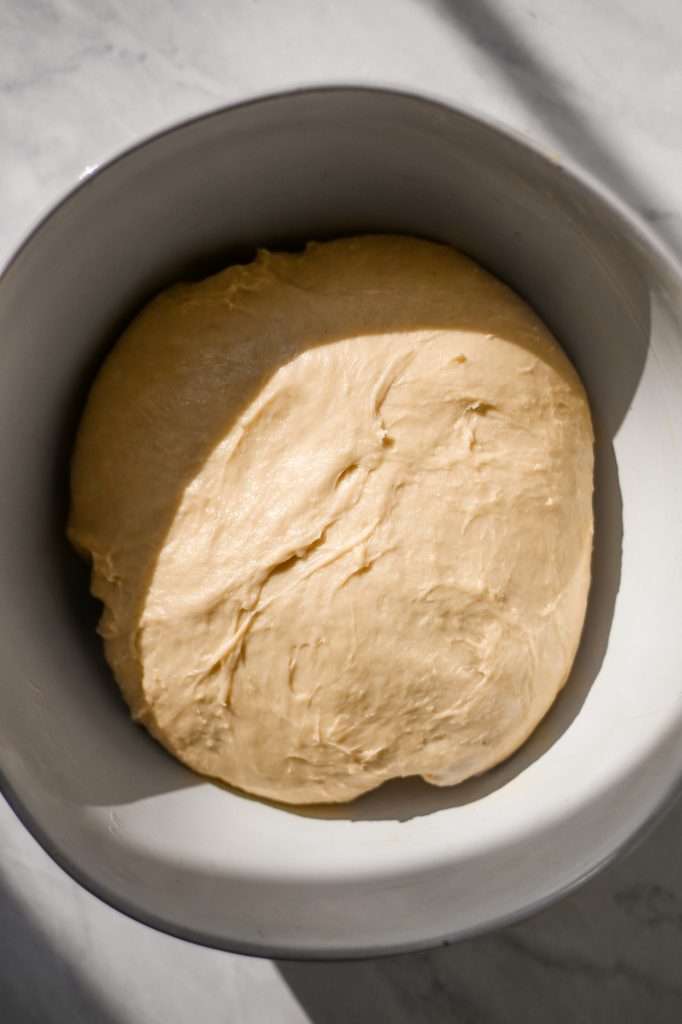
[{"x": 408, "y": 866}]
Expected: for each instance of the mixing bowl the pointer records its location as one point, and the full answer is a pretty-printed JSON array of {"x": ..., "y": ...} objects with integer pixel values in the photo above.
[{"x": 408, "y": 866}]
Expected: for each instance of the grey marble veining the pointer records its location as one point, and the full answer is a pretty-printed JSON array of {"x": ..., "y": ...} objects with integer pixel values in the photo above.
[{"x": 599, "y": 84}]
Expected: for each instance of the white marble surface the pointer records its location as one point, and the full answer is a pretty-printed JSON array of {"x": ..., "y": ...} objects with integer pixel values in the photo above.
[{"x": 601, "y": 84}]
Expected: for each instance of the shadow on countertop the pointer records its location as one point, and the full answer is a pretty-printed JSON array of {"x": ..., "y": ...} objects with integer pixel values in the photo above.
[
  {"x": 37, "y": 984},
  {"x": 608, "y": 952},
  {"x": 523, "y": 69}
]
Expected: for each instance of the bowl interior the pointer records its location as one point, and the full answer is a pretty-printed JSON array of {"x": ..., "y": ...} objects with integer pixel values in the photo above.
[{"x": 408, "y": 865}]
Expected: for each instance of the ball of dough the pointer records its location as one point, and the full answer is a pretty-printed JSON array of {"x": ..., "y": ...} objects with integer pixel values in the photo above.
[{"x": 339, "y": 510}]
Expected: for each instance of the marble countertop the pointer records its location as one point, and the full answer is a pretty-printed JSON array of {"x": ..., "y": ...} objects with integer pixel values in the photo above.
[{"x": 601, "y": 85}]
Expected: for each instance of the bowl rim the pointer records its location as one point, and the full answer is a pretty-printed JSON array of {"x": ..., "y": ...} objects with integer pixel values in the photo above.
[{"x": 647, "y": 237}]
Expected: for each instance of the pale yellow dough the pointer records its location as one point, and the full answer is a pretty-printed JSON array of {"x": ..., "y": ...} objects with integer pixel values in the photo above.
[{"x": 339, "y": 508}]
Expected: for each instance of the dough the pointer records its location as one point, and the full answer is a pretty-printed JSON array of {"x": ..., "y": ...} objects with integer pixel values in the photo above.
[{"x": 339, "y": 511}]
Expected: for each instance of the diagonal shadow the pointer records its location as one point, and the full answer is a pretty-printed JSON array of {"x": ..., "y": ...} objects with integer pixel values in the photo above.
[
  {"x": 37, "y": 984},
  {"x": 524, "y": 71},
  {"x": 554, "y": 967}
]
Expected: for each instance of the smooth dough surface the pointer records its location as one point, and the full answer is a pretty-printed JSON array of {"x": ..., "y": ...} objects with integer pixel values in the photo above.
[{"x": 339, "y": 510}]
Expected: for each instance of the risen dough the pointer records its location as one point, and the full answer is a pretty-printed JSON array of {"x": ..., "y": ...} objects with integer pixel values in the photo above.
[{"x": 339, "y": 508}]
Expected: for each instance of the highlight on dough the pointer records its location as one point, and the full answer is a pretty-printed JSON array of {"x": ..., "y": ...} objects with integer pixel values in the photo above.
[{"x": 338, "y": 506}]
